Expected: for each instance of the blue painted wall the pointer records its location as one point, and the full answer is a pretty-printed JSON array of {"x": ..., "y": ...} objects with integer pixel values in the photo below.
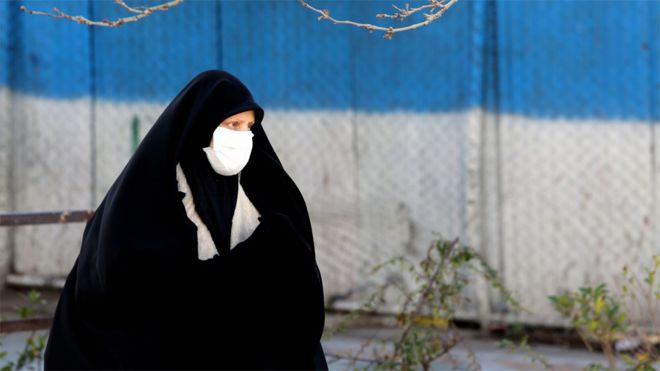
[
  {"x": 4, "y": 44},
  {"x": 48, "y": 57},
  {"x": 154, "y": 58},
  {"x": 577, "y": 59},
  {"x": 581, "y": 58}
]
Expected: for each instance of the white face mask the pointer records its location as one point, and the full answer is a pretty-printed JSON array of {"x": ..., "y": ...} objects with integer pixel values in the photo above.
[{"x": 231, "y": 150}]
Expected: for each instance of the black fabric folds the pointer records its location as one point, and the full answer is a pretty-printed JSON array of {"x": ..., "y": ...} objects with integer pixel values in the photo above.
[{"x": 138, "y": 297}]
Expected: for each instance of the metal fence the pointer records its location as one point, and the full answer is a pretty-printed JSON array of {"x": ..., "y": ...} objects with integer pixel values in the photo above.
[{"x": 527, "y": 129}]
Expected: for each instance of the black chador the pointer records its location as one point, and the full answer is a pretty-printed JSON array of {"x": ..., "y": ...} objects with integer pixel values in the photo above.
[{"x": 140, "y": 296}]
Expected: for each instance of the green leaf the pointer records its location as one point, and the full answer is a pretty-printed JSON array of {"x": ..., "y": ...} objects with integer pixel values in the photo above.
[
  {"x": 24, "y": 312},
  {"x": 34, "y": 295}
]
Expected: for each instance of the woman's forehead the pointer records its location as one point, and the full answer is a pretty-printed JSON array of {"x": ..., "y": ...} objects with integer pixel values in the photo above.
[{"x": 242, "y": 116}]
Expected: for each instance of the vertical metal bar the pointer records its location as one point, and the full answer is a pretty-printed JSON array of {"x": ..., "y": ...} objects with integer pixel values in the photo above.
[
  {"x": 135, "y": 133},
  {"x": 15, "y": 52},
  {"x": 92, "y": 111},
  {"x": 475, "y": 165},
  {"x": 218, "y": 34},
  {"x": 654, "y": 61}
]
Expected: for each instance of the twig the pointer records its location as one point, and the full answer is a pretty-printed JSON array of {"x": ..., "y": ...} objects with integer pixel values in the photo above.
[
  {"x": 422, "y": 298},
  {"x": 527, "y": 351},
  {"x": 402, "y": 14},
  {"x": 438, "y": 9},
  {"x": 141, "y": 12}
]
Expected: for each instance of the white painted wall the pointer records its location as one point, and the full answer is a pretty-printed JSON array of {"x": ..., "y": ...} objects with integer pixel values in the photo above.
[
  {"x": 51, "y": 166},
  {"x": 576, "y": 205}
]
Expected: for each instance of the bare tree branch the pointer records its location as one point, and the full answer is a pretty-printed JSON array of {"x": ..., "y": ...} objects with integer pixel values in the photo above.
[
  {"x": 141, "y": 12},
  {"x": 437, "y": 10}
]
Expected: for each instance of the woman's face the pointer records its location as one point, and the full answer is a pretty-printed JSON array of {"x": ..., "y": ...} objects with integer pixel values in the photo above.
[{"x": 241, "y": 121}]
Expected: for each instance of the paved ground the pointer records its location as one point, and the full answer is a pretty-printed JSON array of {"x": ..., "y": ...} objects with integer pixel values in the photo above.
[
  {"x": 342, "y": 346},
  {"x": 488, "y": 354}
]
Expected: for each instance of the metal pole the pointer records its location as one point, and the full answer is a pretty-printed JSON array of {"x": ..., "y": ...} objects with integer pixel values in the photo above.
[{"x": 52, "y": 217}]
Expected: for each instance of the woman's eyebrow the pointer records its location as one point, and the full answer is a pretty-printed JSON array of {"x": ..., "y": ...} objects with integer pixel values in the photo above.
[{"x": 251, "y": 123}]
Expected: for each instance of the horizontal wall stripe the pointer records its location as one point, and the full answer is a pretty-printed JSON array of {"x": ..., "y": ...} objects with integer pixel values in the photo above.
[{"x": 543, "y": 59}]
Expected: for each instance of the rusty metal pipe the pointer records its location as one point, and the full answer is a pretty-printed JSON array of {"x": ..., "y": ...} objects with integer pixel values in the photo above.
[{"x": 51, "y": 217}]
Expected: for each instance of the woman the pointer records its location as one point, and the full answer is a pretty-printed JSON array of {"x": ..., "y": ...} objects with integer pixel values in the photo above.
[{"x": 201, "y": 254}]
